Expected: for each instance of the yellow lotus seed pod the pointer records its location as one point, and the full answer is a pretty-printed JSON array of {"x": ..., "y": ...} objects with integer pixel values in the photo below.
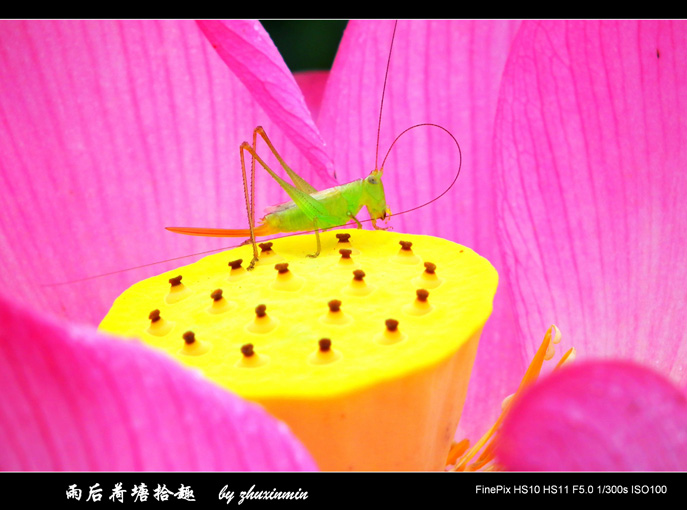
[{"x": 369, "y": 370}]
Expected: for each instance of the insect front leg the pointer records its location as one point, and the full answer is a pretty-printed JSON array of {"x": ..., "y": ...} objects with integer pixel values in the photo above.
[{"x": 357, "y": 222}]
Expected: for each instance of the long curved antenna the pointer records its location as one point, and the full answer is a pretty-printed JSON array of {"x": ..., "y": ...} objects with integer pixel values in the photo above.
[
  {"x": 381, "y": 103},
  {"x": 379, "y": 131},
  {"x": 460, "y": 161}
]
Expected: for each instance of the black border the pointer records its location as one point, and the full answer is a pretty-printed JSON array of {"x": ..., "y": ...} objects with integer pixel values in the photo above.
[{"x": 408, "y": 489}]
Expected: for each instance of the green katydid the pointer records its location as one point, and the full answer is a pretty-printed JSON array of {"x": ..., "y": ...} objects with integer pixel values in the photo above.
[{"x": 310, "y": 209}]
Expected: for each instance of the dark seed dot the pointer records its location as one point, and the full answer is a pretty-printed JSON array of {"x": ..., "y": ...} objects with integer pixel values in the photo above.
[
  {"x": 216, "y": 294},
  {"x": 247, "y": 350},
  {"x": 282, "y": 268},
  {"x": 422, "y": 294},
  {"x": 154, "y": 316},
  {"x": 265, "y": 247},
  {"x": 358, "y": 274},
  {"x": 405, "y": 245},
  {"x": 175, "y": 281},
  {"x": 345, "y": 253},
  {"x": 391, "y": 324},
  {"x": 189, "y": 337},
  {"x": 235, "y": 264},
  {"x": 325, "y": 344},
  {"x": 334, "y": 305},
  {"x": 430, "y": 268},
  {"x": 343, "y": 238},
  {"x": 260, "y": 310}
]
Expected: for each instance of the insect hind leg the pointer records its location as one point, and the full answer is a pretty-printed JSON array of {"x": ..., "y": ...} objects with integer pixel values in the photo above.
[{"x": 250, "y": 200}]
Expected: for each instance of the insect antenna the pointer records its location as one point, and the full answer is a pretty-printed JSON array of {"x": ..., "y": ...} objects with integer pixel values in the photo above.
[
  {"x": 149, "y": 264},
  {"x": 424, "y": 124},
  {"x": 381, "y": 103},
  {"x": 455, "y": 178}
]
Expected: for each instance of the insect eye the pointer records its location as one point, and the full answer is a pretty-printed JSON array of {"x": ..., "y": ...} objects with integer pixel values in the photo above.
[{"x": 372, "y": 180}]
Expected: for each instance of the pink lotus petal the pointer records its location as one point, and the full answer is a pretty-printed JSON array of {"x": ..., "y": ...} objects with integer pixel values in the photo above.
[
  {"x": 597, "y": 416},
  {"x": 77, "y": 400},
  {"x": 448, "y": 73},
  {"x": 591, "y": 153},
  {"x": 112, "y": 130},
  {"x": 250, "y": 54}
]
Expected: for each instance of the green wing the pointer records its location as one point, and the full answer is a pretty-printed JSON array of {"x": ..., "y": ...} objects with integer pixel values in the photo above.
[{"x": 310, "y": 207}]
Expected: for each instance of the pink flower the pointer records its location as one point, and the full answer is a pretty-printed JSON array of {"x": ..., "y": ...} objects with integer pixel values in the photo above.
[{"x": 571, "y": 184}]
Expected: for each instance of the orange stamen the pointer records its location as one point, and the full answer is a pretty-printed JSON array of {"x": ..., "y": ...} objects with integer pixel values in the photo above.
[
  {"x": 459, "y": 457},
  {"x": 457, "y": 449},
  {"x": 568, "y": 357}
]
